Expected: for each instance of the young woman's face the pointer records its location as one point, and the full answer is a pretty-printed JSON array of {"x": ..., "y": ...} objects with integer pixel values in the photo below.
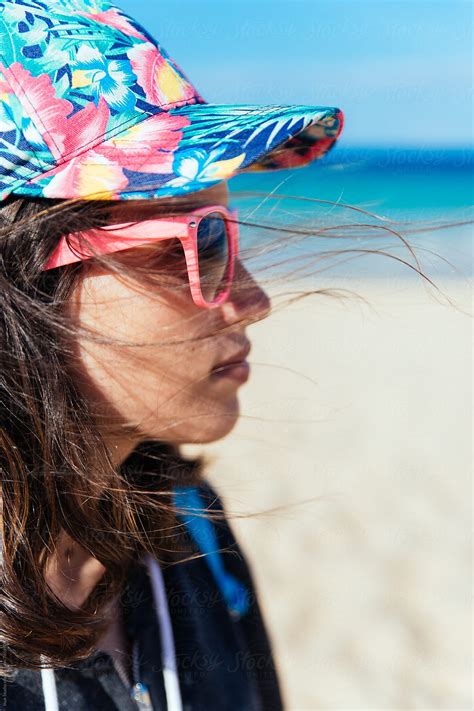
[{"x": 159, "y": 391}]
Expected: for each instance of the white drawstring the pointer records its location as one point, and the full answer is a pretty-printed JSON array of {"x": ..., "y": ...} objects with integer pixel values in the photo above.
[
  {"x": 49, "y": 690},
  {"x": 170, "y": 672}
]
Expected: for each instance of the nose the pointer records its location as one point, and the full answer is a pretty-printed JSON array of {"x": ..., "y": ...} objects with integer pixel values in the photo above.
[{"x": 247, "y": 300}]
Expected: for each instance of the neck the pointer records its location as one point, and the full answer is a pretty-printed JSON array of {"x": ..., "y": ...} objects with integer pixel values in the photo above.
[
  {"x": 115, "y": 641},
  {"x": 72, "y": 573}
]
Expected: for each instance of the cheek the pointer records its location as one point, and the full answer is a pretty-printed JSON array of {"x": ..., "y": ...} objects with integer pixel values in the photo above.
[{"x": 161, "y": 366}]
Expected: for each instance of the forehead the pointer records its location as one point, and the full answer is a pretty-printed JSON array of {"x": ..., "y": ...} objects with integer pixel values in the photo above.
[{"x": 134, "y": 210}]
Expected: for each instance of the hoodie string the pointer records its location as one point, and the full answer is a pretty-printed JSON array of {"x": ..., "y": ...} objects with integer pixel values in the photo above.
[
  {"x": 202, "y": 530},
  {"x": 170, "y": 672},
  {"x": 168, "y": 653},
  {"x": 50, "y": 693}
]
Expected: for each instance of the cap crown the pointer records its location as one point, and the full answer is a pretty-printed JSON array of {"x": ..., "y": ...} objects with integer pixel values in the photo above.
[{"x": 81, "y": 61}]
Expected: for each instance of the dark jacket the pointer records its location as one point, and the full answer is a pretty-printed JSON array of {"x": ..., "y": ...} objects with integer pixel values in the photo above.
[{"x": 224, "y": 660}]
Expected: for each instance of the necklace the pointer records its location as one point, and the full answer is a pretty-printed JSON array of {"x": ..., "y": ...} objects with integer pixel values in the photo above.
[{"x": 138, "y": 691}]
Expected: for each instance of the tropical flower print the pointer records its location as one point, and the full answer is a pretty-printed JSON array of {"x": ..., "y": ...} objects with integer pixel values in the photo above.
[
  {"x": 12, "y": 118},
  {"x": 115, "y": 18},
  {"x": 13, "y": 12},
  {"x": 23, "y": 150},
  {"x": 7, "y": 122},
  {"x": 150, "y": 146},
  {"x": 161, "y": 82},
  {"x": 84, "y": 172},
  {"x": 61, "y": 131},
  {"x": 147, "y": 147},
  {"x": 90, "y": 174},
  {"x": 92, "y": 6},
  {"x": 91, "y": 106},
  {"x": 196, "y": 165},
  {"x": 93, "y": 73}
]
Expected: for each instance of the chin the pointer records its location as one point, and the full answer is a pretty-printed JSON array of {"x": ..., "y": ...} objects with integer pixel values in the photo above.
[
  {"x": 212, "y": 429},
  {"x": 216, "y": 435}
]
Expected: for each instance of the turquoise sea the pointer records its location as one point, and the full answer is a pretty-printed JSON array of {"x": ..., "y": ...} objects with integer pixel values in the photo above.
[{"x": 418, "y": 188}]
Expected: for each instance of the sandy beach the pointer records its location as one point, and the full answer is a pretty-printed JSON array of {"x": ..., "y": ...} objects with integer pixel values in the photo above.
[{"x": 356, "y": 425}]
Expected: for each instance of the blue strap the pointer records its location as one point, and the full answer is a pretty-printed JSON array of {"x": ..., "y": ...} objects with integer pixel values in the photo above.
[{"x": 203, "y": 533}]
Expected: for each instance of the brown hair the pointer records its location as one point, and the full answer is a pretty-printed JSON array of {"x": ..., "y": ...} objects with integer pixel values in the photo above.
[{"x": 52, "y": 458}]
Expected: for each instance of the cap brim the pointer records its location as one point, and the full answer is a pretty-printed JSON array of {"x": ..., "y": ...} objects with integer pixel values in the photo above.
[{"x": 191, "y": 148}]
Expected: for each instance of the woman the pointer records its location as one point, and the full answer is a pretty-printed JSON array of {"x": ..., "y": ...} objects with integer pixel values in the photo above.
[{"x": 124, "y": 309}]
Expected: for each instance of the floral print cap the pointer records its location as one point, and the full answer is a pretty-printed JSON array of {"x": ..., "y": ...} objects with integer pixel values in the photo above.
[{"x": 92, "y": 107}]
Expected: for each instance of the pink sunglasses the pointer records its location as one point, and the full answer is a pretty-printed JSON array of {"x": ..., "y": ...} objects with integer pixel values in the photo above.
[{"x": 209, "y": 237}]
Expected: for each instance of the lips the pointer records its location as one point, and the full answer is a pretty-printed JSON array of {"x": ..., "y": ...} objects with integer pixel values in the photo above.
[{"x": 234, "y": 359}]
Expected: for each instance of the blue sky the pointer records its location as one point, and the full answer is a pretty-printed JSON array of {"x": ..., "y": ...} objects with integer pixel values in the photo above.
[{"x": 401, "y": 71}]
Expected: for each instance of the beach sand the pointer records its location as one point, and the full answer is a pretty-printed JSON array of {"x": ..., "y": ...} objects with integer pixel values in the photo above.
[{"x": 356, "y": 424}]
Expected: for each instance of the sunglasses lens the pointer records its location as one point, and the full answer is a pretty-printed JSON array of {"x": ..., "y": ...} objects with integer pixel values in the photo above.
[{"x": 213, "y": 255}]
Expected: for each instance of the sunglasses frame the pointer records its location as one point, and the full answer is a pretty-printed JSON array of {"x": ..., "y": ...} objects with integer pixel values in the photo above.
[{"x": 117, "y": 238}]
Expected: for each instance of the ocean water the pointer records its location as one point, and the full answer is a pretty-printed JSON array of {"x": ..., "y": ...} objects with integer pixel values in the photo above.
[{"x": 407, "y": 190}]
